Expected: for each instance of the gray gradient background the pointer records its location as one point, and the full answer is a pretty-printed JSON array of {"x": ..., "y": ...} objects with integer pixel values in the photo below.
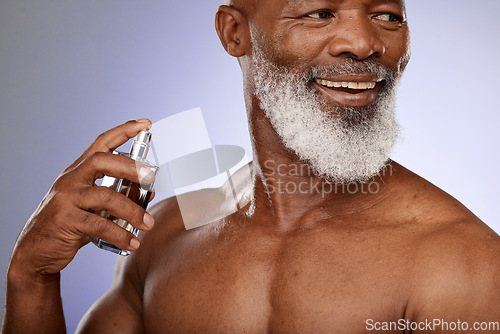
[{"x": 69, "y": 70}]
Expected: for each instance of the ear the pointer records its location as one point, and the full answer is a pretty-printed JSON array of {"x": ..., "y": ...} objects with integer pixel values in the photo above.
[{"x": 232, "y": 28}]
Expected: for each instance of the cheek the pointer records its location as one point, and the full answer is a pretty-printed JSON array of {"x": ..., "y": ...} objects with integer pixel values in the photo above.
[
  {"x": 398, "y": 50},
  {"x": 299, "y": 48}
]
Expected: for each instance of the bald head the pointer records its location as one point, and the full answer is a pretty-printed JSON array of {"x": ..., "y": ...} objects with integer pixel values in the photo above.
[
  {"x": 250, "y": 7},
  {"x": 242, "y": 5}
]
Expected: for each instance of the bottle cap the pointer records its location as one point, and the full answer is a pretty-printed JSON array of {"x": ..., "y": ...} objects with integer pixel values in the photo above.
[{"x": 140, "y": 147}]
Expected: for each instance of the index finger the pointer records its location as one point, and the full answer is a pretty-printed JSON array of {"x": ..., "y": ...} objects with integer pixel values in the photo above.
[{"x": 108, "y": 141}]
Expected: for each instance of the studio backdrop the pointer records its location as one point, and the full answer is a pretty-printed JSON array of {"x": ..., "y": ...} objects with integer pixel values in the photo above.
[{"x": 70, "y": 70}]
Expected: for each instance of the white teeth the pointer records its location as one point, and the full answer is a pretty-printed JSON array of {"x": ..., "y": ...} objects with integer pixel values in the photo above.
[{"x": 350, "y": 85}]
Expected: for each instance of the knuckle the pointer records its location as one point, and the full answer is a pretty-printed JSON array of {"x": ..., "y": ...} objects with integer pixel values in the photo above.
[
  {"x": 59, "y": 198},
  {"x": 84, "y": 192},
  {"x": 109, "y": 231},
  {"x": 92, "y": 165},
  {"x": 100, "y": 226},
  {"x": 85, "y": 196},
  {"x": 95, "y": 158},
  {"x": 100, "y": 137},
  {"x": 63, "y": 181},
  {"x": 129, "y": 210},
  {"x": 106, "y": 195},
  {"x": 133, "y": 166},
  {"x": 87, "y": 219},
  {"x": 121, "y": 236},
  {"x": 66, "y": 188},
  {"x": 136, "y": 215},
  {"x": 139, "y": 212}
]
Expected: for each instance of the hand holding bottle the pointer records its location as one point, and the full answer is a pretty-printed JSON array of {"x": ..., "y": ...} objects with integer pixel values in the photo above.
[
  {"x": 66, "y": 219},
  {"x": 139, "y": 193}
]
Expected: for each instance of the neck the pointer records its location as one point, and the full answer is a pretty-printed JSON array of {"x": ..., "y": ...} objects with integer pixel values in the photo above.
[{"x": 289, "y": 190}]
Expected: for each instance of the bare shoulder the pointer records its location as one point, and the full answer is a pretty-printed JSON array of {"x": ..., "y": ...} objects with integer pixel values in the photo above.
[
  {"x": 445, "y": 228},
  {"x": 455, "y": 258},
  {"x": 456, "y": 273},
  {"x": 424, "y": 201},
  {"x": 127, "y": 288}
]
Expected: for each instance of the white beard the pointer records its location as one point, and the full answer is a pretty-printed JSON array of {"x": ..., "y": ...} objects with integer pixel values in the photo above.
[{"x": 341, "y": 144}]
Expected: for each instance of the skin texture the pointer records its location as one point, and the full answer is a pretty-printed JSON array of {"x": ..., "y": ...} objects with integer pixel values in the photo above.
[{"x": 293, "y": 262}]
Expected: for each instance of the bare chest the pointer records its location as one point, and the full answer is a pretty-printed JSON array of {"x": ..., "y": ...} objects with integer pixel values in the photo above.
[{"x": 307, "y": 282}]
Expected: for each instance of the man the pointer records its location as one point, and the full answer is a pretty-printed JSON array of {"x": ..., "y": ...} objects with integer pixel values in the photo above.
[{"x": 330, "y": 237}]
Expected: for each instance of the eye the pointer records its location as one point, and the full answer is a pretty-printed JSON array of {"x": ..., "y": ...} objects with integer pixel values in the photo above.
[
  {"x": 389, "y": 17},
  {"x": 320, "y": 15}
]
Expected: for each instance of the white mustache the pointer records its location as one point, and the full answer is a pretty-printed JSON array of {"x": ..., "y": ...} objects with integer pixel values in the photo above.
[{"x": 350, "y": 66}]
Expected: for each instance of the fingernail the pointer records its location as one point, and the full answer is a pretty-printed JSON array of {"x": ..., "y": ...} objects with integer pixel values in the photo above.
[
  {"x": 134, "y": 243},
  {"x": 146, "y": 176},
  {"x": 148, "y": 220},
  {"x": 145, "y": 121}
]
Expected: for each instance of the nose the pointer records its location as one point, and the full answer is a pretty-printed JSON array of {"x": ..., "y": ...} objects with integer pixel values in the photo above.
[{"x": 356, "y": 37}]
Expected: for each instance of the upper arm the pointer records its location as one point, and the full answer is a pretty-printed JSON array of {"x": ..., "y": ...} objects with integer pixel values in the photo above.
[{"x": 119, "y": 310}]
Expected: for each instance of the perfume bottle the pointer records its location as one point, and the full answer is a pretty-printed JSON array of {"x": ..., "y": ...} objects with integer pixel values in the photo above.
[{"x": 139, "y": 193}]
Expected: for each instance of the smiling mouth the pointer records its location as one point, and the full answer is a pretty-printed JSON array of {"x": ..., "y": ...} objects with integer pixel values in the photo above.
[
  {"x": 349, "y": 93},
  {"x": 351, "y": 87}
]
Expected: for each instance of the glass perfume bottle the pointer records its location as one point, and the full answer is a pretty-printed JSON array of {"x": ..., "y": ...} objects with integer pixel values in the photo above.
[{"x": 139, "y": 193}]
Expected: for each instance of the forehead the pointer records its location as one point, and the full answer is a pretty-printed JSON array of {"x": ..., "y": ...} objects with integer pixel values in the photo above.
[
  {"x": 367, "y": 2},
  {"x": 272, "y": 8}
]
